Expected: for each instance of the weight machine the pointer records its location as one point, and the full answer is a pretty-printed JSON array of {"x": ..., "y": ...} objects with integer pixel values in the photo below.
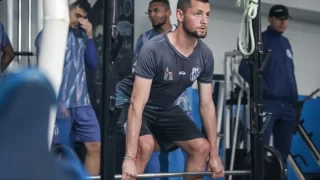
[
  {"x": 234, "y": 92},
  {"x": 236, "y": 108},
  {"x": 227, "y": 98},
  {"x": 236, "y": 114}
]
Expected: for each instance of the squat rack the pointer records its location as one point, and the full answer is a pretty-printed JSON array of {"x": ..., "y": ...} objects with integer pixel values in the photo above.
[
  {"x": 255, "y": 64},
  {"x": 108, "y": 123},
  {"x": 108, "y": 97}
]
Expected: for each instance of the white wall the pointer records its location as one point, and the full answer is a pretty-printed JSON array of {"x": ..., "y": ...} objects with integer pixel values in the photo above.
[
  {"x": 304, "y": 5},
  {"x": 304, "y": 38},
  {"x": 223, "y": 31},
  {"x": 309, "y": 5},
  {"x": 307, "y": 10}
]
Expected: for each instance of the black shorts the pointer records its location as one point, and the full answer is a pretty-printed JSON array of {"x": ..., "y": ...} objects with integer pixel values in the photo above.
[{"x": 166, "y": 126}]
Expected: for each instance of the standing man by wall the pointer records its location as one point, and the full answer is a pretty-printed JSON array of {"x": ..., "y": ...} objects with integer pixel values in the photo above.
[
  {"x": 7, "y": 53},
  {"x": 75, "y": 115},
  {"x": 159, "y": 14},
  {"x": 279, "y": 83}
]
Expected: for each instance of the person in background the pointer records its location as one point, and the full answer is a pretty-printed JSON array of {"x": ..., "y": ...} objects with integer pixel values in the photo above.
[
  {"x": 280, "y": 92},
  {"x": 75, "y": 115},
  {"x": 159, "y": 14},
  {"x": 6, "y": 53}
]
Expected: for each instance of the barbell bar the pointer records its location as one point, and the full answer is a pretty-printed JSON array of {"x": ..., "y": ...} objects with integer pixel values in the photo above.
[{"x": 177, "y": 174}]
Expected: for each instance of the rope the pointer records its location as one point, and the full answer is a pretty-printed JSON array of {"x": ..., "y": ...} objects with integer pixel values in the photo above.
[{"x": 246, "y": 36}]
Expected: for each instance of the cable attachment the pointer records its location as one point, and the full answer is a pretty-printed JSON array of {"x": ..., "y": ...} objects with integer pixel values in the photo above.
[{"x": 246, "y": 36}]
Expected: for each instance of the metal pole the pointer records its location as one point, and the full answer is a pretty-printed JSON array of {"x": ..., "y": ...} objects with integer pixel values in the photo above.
[
  {"x": 296, "y": 168},
  {"x": 235, "y": 134},
  {"x": 19, "y": 29},
  {"x": 29, "y": 29},
  {"x": 40, "y": 15},
  {"x": 220, "y": 103},
  {"x": 40, "y": 19},
  {"x": 309, "y": 143},
  {"x": 247, "y": 121},
  {"x": 10, "y": 12},
  {"x": 108, "y": 96},
  {"x": 179, "y": 174},
  {"x": 226, "y": 133},
  {"x": 257, "y": 154}
]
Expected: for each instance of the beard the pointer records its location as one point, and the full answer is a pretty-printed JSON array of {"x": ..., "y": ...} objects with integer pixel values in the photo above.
[
  {"x": 157, "y": 26},
  {"x": 160, "y": 24},
  {"x": 192, "y": 33}
]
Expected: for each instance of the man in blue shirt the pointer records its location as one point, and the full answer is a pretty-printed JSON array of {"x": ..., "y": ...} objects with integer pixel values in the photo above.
[
  {"x": 159, "y": 13},
  {"x": 6, "y": 52},
  {"x": 75, "y": 114},
  {"x": 279, "y": 84}
]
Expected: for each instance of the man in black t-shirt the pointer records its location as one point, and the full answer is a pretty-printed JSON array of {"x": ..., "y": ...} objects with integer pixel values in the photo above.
[{"x": 167, "y": 65}]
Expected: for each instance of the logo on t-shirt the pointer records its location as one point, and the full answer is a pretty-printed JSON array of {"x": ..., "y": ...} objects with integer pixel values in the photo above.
[
  {"x": 195, "y": 73},
  {"x": 168, "y": 75}
]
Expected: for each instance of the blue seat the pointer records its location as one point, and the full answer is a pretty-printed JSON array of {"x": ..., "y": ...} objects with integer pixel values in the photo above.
[{"x": 25, "y": 101}]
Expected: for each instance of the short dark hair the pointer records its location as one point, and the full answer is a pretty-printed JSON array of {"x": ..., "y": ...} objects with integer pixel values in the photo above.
[
  {"x": 184, "y": 4},
  {"x": 82, "y": 4},
  {"x": 165, "y": 2}
]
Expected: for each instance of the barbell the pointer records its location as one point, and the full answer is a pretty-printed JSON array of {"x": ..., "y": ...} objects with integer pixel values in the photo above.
[{"x": 178, "y": 174}]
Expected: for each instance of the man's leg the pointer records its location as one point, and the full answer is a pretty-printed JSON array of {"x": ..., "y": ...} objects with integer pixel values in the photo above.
[
  {"x": 57, "y": 136},
  {"x": 88, "y": 131},
  {"x": 61, "y": 133},
  {"x": 145, "y": 149},
  {"x": 198, "y": 152},
  {"x": 268, "y": 132},
  {"x": 175, "y": 126},
  {"x": 274, "y": 108},
  {"x": 92, "y": 159},
  {"x": 283, "y": 132},
  {"x": 146, "y": 143}
]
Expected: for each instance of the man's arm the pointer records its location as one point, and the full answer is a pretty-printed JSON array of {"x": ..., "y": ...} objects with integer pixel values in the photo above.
[
  {"x": 7, "y": 50},
  {"x": 208, "y": 115},
  {"x": 139, "y": 98},
  {"x": 92, "y": 57},
  {"x": 207, "y": 108},
  {"x": 144, "y": 73}
]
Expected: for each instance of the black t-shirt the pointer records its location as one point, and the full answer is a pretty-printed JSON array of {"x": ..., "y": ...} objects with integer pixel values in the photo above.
[{"x": 171, "y": 72}]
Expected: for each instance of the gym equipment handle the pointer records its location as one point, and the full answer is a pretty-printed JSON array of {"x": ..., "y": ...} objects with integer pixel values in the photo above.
[
  {"x": 22, "y": 53},
  {"x": 181, "y": 174}
]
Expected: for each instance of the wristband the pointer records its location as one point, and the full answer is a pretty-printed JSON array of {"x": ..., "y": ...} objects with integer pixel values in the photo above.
[{"x": 129, "y": 158}]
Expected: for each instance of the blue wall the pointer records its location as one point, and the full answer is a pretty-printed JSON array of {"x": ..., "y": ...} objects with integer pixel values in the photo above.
[
  {"x": 174, "y": 161},
  {"x": 311, "y": 115}
]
